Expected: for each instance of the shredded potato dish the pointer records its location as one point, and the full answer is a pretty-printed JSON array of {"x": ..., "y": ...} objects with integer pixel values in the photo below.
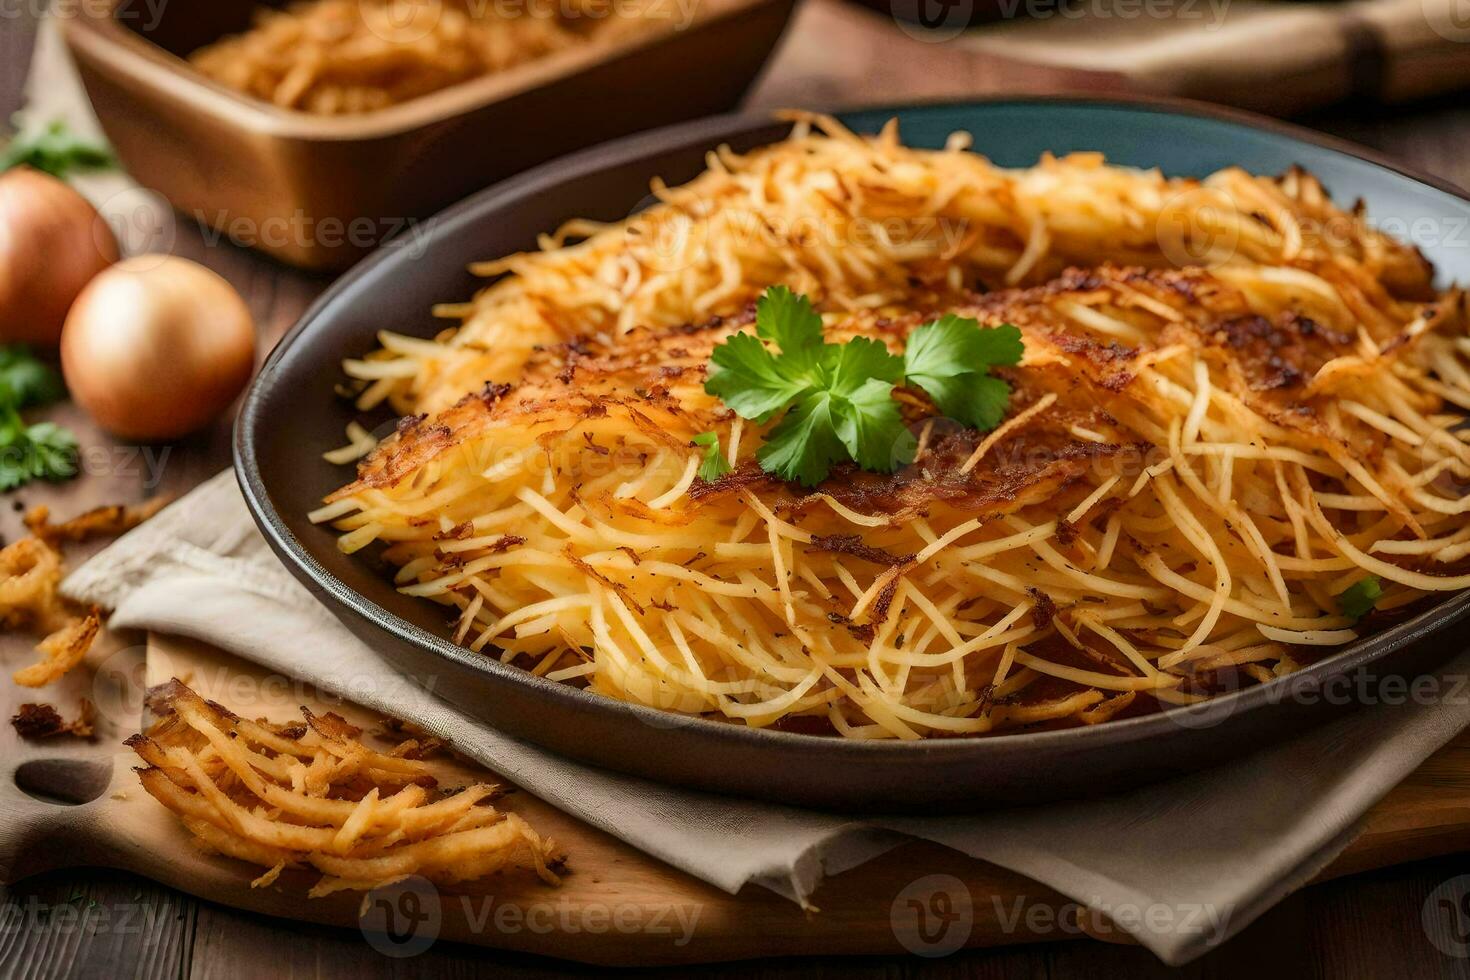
[{"x": 1233, "y": 443}]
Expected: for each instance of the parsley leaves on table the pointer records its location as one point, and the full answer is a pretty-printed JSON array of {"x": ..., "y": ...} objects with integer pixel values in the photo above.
[
  {"x": 838, "y": 398},
  {"x": 713, "y": 464},
  {"x": 1360, "y": 597},
  {"x": 44, "y": 450},
  {"x": 56, "y": 150},
  {"x": 26, "y": 381}
]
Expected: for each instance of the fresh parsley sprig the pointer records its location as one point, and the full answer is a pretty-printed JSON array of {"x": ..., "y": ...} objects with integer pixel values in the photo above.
[
  {"x": 56, "y": 150},
  {"x": 45, "y": 450},
  {"x": 838, "y": 398},
  {"x": 712, "y": 464}
]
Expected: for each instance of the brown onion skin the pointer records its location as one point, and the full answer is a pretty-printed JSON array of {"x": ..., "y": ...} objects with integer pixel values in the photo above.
[
  {"x": 157, "y": 347},
  {"x": 52, "y": 243}
]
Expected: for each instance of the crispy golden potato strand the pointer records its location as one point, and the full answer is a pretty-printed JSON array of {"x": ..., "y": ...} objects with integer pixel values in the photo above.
[
  {"x": 30, "y": 577},
  {"x": 313, "y": 795}
]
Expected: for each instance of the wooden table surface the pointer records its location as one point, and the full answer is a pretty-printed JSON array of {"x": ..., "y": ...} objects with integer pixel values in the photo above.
[{"x": 99, "y": 923}]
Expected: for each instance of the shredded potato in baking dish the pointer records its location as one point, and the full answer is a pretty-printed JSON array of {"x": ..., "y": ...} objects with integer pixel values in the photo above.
[{"x": 348, "y": 56}]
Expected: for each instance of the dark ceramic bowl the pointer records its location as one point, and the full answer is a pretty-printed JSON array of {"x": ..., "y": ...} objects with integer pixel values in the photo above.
[{"x": 291, "y": 416}]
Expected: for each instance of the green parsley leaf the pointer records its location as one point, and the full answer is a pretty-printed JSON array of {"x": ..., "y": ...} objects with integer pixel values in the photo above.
[
  {"x": 838, "y": 398},
  {"x": 43, "y": 451},
  {"x": 949, "y": 359},
  {"x": 25, "y": 380},
  {"x": 977, "y": 400},
  {"x": 1360, "y": 597},
  {"x": 871, "y": 428},
  {"x": 867, "y": 418},
  {"x": 56, "y": 150},
  {"x": 860, "y": 359},
  {"x": 804, "y": 444},
  {"x": 750, "y": 380},
  {"x": 787, "y": 320},
  {"x": 713, "y": 465},
  {"x": 53, "y": 451}
]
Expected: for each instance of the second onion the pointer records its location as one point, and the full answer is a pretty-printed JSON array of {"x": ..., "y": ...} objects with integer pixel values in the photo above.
[{"x": 157, "y": 347}]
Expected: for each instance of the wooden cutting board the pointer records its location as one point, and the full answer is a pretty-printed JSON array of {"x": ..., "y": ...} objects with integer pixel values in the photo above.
[{"x": 616, "y": 906}]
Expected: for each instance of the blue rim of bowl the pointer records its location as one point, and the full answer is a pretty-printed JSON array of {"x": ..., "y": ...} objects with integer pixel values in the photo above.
[{"x": 587, "y": 162}]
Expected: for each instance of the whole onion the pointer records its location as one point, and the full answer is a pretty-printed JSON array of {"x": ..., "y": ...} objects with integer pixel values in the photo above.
[
  {"x": 52, "y": 242},
  {"x": 157, "y": 347}
]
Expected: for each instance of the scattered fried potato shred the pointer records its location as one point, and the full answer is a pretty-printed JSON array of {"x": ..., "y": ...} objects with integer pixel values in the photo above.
[
  {"x": 314, "y": 795},
  {"x": 30, "y": 579},
  {"x": 108, "y": 521},
  {"x": 35, "y": 721},
  {"x": 62, "y": 650},
  {"x": 30, "y": 571}
]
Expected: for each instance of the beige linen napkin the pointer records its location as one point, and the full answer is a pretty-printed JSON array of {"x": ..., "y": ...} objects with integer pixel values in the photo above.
[{"x": 1181, "y": 866}]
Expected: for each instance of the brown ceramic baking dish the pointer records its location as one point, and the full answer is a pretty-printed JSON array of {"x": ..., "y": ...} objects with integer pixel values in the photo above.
[{"x": 320, "y": 191}]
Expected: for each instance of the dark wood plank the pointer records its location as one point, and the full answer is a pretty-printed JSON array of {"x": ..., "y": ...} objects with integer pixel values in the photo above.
[
  {"x": 94, "y": 924},
  {"x": 1379, "y": 919}
]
